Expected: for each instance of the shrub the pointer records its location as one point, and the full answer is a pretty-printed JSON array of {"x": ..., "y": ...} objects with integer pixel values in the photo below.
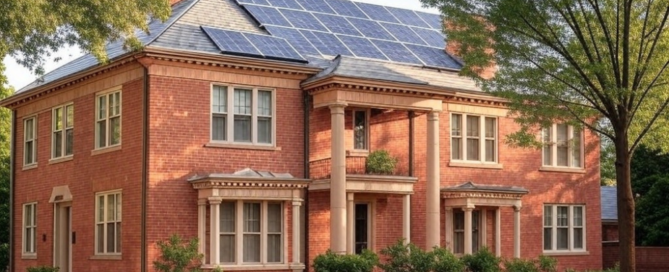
[
  {"x": 482, "y": 261},
  {"x": 547, "y": 264},
  {"x": 445, "y": 261},
  {"x": 403, "y": 257},
  {"x": 178, "y": 255},
  {"x": 380, "y": 162},
  {"x": 520, "y": 265},
  {"x": 43, "y": 269},
  {"x": 331, "y": 262}
]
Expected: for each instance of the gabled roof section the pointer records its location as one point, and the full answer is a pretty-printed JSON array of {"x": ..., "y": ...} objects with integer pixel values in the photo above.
[
  {"x": 472, "y": 187},
  {"x": 248, "y": 178},
  {"x": 609, "y": 204}
]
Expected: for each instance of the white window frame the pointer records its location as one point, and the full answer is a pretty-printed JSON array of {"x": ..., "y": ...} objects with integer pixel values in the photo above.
[
  {"x": 66, "y": 126},
  {"x": 552, "y": 142},
  {"x": 367, "y": 128},
  {"x": 571, "y": 226},
  {"x": 105, "y": 221},
  {"x": 482, "y": 139},
  {"x": 230, "y": 115},
  {"x": 264, "y": 234},
  {"x": 107, "y": 118},
  {"x": 32, "y": 140},
  {"x": 31, "y": 228}
]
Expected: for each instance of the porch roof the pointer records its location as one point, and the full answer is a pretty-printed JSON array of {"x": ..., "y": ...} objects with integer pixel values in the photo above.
[{"x": 469, "y": 193}]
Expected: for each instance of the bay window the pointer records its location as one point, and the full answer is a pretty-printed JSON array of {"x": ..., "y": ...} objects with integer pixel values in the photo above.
[{"x": 252, "y": 229}]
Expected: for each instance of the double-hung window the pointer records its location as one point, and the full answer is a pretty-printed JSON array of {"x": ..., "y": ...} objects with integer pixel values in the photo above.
[
  {"x": 108, "y": 223},
  {"x": 108, "y": 119},
  {"x": 30, "y": 140},
  {"x": 459, "y": 231},
  {"x": 473, "y": 138},
  {"x": 360, "y": 130},
  {"x": 562, "y": 146},
  {"x": 251, "y": 232},
  {"x": 564, "y": 228},
  {"x": 29, "y": 226},
  {"x": 242, "y": 115},
  {"x": 62, "y": 138}
]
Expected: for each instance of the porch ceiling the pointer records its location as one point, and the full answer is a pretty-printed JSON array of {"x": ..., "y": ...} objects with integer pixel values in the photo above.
[{"x": 370, "y": 184}]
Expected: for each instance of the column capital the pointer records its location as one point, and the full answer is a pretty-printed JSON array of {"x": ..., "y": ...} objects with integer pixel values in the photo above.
[
  {"x": 433, "y": 115},
  {"x": 468, "y": 208},
  {"x": 214, "y": 200},
  {"x": 202, "y": 201},
  {"x": 517, "y": 208},
  {"x": 338, "y": 106},
  {"x": 350, "y": 196},
  {"x": 297, "y": 202}
]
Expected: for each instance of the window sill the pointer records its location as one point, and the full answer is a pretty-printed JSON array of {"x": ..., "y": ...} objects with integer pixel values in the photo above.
[
  {"x": 566, "y": 253},
  {"x": 562, "y": 169},
  {"x": 256, "y": 267},
  {"x": 357, "y": 153},
  {"x": 103, "y": 150},
  {"x": 61, "y": 159},
  {"x": 29, "y": 166},
  {"x": 106, "y": 257},
  {"x": 476, "y": 165},
  {"x": 243, "y": 146},
  {"x": 29, "y": 257}
]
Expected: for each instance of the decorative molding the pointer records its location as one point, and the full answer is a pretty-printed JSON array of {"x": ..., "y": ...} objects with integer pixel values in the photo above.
[
  {"x": 370, "y": 184},
  {"x": 473, "y": 194}
]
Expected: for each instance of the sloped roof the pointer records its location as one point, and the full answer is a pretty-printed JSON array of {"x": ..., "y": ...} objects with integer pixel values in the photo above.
[
  {"x": 472, "y": 187},
  {"x": 609, "y": 203},
  {"x": 246, "y": 173}
]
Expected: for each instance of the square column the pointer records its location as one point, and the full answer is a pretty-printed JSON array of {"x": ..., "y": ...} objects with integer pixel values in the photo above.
[
  {"x": 202, "y": 228},
  {"x": 337, "y": 180},
  {"x": 350, "y": 227},
  {"x": 406, "y": 218},
  {"x": 498, "y": 232},
  {"x": 214, "y": 227},
  {"x": 468, "y": 229},
  {"x": 433, "y": 233},
  {"x": 449, "y": 228},
  {"x": 516, "y": 231},
  {"x": 296, "y": 231}
]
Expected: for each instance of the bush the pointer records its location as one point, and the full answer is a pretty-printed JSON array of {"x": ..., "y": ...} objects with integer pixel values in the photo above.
[
  {"x": 403, "y": 257},
  {"x": 43, "y": 269},
  {"x": 380, "y": 162},
  {"x": 331, "y": 262},
  {"x": 520, "y": 265},
  {"x": 482, "y": 261},
  {"x": 547, "y": 264},
  {"x": 445, "y": 261},
  {"x": 178, "y": 256}
]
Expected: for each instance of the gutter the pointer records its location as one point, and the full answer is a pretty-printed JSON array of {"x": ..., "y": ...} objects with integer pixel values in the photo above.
[
  {"x": 305, "y": 241},
  {"x": 412, "y": 114},
  {"x": 12, "y": 151},
  {"x": 145, "y": 148}
]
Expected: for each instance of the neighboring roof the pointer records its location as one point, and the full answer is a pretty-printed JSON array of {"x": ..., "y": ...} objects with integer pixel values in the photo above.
[
  {"x": 471, "y": 187},
  {"x": 609, "y": 204}
]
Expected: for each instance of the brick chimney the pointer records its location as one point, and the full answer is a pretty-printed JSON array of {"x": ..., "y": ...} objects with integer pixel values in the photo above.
[
  {"x": 487, "y": 72},
  {"x": 172, "y": 2}
]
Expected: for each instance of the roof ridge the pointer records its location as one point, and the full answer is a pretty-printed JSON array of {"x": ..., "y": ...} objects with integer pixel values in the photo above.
[{"x": 176, "y": 19}]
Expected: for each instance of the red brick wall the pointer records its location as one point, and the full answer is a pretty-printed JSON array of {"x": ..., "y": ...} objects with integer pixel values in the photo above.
[
  {"x": 609, "y": 232},
  {"x": 648, "y": 259},
  {"x": 85, "y": 175}
]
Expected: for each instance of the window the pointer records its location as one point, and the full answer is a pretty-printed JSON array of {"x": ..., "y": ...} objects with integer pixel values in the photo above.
[
  {"x": 29, "y": 226},
  {"x": 108, "y": 223},
  {"x": 473, "y": 138},
  {"x": 564, "y": 228},
  {"x": 360, "y": 130},
  {"x": 249, "y": 120},
  {"x": 562, "y": 146},
  {"x": 108, "y": 120},
  {"x": 362, "y": 227},
  {"x": 29, "y": 140},
  {"x": 459, "y": 231},
  {"x": 259, "y": 223},
  {"x": 63, "y": 131}
]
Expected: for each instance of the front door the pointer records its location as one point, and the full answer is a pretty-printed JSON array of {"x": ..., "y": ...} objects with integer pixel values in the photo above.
[{"x": 63, "y": 237}]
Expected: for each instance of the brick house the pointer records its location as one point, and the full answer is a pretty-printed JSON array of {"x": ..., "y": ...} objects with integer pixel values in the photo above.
[{"x": 251, "y": 132}]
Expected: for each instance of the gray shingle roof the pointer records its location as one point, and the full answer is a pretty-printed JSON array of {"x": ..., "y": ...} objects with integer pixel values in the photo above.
[{"x": 609, "y": 203}]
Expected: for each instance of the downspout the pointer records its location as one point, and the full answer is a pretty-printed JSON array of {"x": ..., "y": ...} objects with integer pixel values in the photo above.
[
  {"x": 145, "y": 148},
  {"x": 12, "y": 149},
  {"x": 412, "y": 114},
  {"x": 307, "y": 107}
]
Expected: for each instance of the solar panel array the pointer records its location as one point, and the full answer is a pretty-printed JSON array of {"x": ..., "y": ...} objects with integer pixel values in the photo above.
[
  {"x": 341, "y": 27},
  {"x": 253, "y": 45}
]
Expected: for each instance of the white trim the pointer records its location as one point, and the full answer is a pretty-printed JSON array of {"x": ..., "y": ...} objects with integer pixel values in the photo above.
[
  {"x": 107, "y": 94},
  {"x": 106, "y": 194},
  {"x": 463, "y": 160},
  {"x": 33, "y": 140},
  {"x": 33, "y": 227},
  {"x": 65, "y": 127},
  {"x": 570, "y": 226},
  {"x": 552, "y": 142}
]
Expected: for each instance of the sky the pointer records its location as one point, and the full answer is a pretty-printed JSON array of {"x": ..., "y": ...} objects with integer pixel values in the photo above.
[{"x": 19, "y": 76}]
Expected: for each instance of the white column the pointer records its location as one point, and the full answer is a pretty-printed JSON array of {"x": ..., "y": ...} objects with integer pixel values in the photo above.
[
  {"x": 338, "y": 180},
  {"x": 498, "y": 232},
  {"x": 433, "y": 233},
  {"x": 468, "y": 229},
  {"x": 296, "y": 231},
  {"x": 214, "y": 227},
  {"x": 406, "y": 218},
  {"x": 350, "y": 221},
  {"x": 483, "y": 229},
  {"x": 516, "y": 231},
  {"x": 449, "y": 228},
  {"x": 202, "y": 228}
]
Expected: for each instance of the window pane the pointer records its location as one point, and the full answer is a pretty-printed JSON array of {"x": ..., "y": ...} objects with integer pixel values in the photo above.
[
  {"x": 227, "y": 217},
  {"x": 29, "y": 153},
  {"x": 118, "y": 238},
  {"x": 264, "y": 103},
  {"x": 118, "y": 207},
  {"x": 456, "y": 125},
  {"x": 251, "y": 248},
  {"x": 562, "y": 238},
  {"x": 29, "y": 129},
  {"x": 264, "y": 130},
  {"x": 28, "y": 240},
  {"x": 361, "y": 227},
  {"x": 242, "y": 128},
  {"x": 111, "y": 203},
  {"x": 69, "y": 141},
  {"x": 459, "y": 242},
  {"x": 547, "y": 134},
  {"x": 548, "y": 216},
  {"x": 117, "y": 104},
  {"x": 473, "y": 149},
  {"x": 101, "y": 208},
  {"x": 274, "y": 248},
  {"x": 115, "y": 134},
  {"x": 576, "y": 149},
  {"x": 251, "y": 217},
  {"x": 490, "y": 127},
  {"x": 562, "y": 134},
  {"x": 102, "y": 133},
  {"x": 57, "y": 143},
  {"x": 360, "y": 129},
  {"x": 548, "y": 239},
  {"x": 274, "y": 216},
  {"x": 547, "y": 154},
  {"x": 58, "y": 119},
  {"x": 562, "y": 153},
  {"x": 111, "y": 232},
  {"x": 456, "y": 148},
  {"x": 578, "y": 216},
  {"x": 563, "y": 216},
  {"x": 70, "y": 116},
  {"x": 578, "y": 238},
  {"x": 473, "y": 126},
  {"x": 219, "y": 127},
  {"x": 242, "y": 101},
  {"x": 228, "y": 248},
  {"x": 102, "y": 107},
  {"x": 101, "y": 237},
  {"x": 490, "y": 150},
  {"x": 220, "y": 100}
]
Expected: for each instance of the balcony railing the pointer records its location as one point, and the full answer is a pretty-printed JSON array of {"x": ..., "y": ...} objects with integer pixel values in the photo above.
[{"x": 355, "y": 165}]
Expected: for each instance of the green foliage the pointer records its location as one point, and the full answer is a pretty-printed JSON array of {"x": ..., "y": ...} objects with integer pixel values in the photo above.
[
  {"x": 178, "y": 255},
  {"x": 43, "y": 269},
  {"x": 647, "y": 162},
  {"x": 401, "y": 257},
  {"x": 547, "y": 264},
  {"x": 445, "y": 261},
  {"x": 380, "y": 162},
  {"x": 5, "y": 128},
  {"x": 520, "y": 265},
  {"x": 482, "y": 261},
  {"x": 653, "y": 213},
  {"x": 331, "y": 262},
  {"x": 607, "y": 159}
]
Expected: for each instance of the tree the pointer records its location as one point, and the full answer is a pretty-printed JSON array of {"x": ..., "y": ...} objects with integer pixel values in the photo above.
[
  {"x": 5, "y": 127},
  {"x": 607, "y": 162},
  {"x": 653, "y": 213},
  {"x": 573, "y": 61}
]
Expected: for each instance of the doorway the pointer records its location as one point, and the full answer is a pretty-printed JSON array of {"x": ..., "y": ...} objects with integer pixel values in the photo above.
[{"x": 62, "y": 245}]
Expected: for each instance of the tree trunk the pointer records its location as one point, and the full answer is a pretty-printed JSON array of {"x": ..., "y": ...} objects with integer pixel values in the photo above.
[{"x": 625, "y": 205}]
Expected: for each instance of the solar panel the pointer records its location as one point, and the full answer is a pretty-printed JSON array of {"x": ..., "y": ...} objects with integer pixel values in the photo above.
[
  {"x": 231, "y": 42},
  {"x": 433, "y": 56},
  {"x": 346, "y": 8},
  {"x": 434, "y": 20},
  {"x": 259, "y": 2},
  {"x": 407, "y": 17},
  {"x": 267, "y": 15},
  {"x": 376, "y": 12},
  {"x": 432, "y": 37},
  {"x": 273, "y": 47},
  {"x": 403, "y": 33},
  {"x": 326, "y": 43},
  {"x": 285, "y": 4},
  {"x": 337, "y": 24},
  {"x": 362, "y": 47},
  {"x": 302, "y": 19},
  {"x": 294, "y": 37},
  {"x": 316, "y": 5},
  {"x": 396, "y": 51},
  {"x": 371, "y": 29}
]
